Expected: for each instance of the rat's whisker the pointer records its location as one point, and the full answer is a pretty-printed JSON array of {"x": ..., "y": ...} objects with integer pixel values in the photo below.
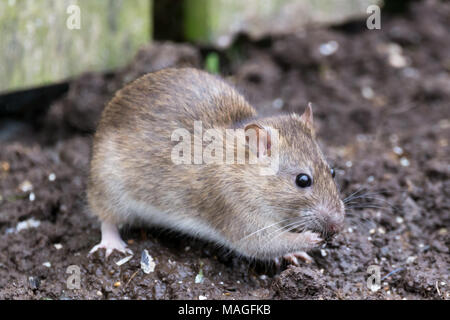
[
  {"x": 305, "y": 219},
  {"x": 300, "y": 224},
  {"x": 354, "y": 193},
  {"x": 372, "y": 193},
  {"x": 264, "y": 228},
  {"x": 370, "y": 197},
  {"x": 366, "y": 206}
]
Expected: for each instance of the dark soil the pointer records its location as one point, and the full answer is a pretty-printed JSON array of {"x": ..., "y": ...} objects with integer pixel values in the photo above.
[{"x": 382, "y": 112}]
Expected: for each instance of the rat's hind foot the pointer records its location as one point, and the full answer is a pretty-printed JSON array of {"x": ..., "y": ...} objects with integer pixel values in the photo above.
[
  {"x": 111, "y": 241},
  {"x": 293, "y": 257}
]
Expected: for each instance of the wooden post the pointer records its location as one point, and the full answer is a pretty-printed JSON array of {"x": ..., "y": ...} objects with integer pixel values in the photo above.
[
  {"x": 217, "y": 21},
  {"x": 40, "y": 43}
]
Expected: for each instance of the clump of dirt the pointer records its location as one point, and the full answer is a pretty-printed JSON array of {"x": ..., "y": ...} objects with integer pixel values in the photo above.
[{"x": 381, "y": 102}]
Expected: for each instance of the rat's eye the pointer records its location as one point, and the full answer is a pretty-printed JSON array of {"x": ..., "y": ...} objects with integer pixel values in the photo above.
[
  {"x": 303, "y": 180},
  {"x": 333, "y": 173}
]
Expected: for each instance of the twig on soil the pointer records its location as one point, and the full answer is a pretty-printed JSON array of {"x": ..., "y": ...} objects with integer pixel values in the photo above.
[
  {"x": 392, "y": 272},
  {"x": 437, "y": 288},
  {"x": 131, "y": 278}
]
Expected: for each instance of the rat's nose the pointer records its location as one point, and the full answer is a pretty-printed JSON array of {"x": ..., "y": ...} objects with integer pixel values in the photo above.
[
  {"x": 333, "y": 228},
  {"x": 332, "y": 224},
  {"x": 331, "y": 219}
]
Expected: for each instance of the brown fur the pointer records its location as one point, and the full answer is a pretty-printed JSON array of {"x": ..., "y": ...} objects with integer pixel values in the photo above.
[{"x": 132, "y": 173}]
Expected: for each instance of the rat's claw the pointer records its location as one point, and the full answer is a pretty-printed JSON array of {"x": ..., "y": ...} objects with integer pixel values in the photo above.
[
  {"x": 293, "y": 257},
  {"x": 313, "y": 238},
  {"x": 111, "y": 241},
  {"x": 110, "y": 247}
]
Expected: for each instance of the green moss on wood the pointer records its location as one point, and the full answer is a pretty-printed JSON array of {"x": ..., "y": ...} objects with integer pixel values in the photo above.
[{"x": 37, "y": 48}]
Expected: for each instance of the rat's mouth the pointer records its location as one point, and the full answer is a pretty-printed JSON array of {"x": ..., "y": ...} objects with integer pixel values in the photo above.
[
  {"x": 299, "y": 226},
  {"x": 326, "y": 231},
  {"x": 326, "y": 236}
]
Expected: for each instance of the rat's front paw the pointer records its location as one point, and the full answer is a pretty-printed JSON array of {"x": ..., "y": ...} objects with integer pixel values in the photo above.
[
  {"x": 309, "y": 240},
  {"x": 305, "y": 241},
  {"x": 312, "y": 239}
]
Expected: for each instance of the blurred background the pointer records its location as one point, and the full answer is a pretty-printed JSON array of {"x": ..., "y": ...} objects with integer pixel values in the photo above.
[{"x": 377, "y": 73}]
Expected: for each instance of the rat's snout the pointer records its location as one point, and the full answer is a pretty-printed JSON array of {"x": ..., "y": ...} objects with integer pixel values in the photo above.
[
  {"x": 331, "y": 221},
  {"x": 332, "y": 225}
]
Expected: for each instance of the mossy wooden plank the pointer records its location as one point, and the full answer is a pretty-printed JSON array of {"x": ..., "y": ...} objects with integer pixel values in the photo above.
[
  {"x": 37, "y": 47},
  {"x": 217, "y": 21}
]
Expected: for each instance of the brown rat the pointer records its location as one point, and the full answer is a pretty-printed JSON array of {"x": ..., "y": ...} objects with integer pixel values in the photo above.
[{"x": 133, "y": 177}]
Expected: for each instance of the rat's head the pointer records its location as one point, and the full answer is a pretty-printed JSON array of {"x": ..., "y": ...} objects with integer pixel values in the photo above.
[{"x": 302, "y": 195}]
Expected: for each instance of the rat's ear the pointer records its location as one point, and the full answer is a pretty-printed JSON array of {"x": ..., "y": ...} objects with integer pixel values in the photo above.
[
  {"x": 307, "y": 117},
  {"x": 258, "y": 139}
]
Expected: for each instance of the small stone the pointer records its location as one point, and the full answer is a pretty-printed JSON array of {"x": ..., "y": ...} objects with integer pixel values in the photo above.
[
  {"x": 367, "y": 93},
  {"x": 26, "y": 186},
  {"x": 398, "y": 150},
  {"x": 117, "y": 284},
  {"x": 124, "y": 260},
  {"x": 411, "y": 259},
  {"x": 328, "y": 48},
  {"x": 395, "y": 56},
  {"x": 147, "y": 263},
  {"x": 404, "y": 162},
  {"x": 30, "y": 223},
  {"x": 397, "y": 61},
  {"x": 372, "y": 231},
  {"x": 34, "y": 283},
  {"x": 348, "y": 164},
  {"x": 58, "y": 246},
  {"x": 32, "y": 197},
  {"x": 323, "y": 252},
  {"x": 99, "y": 293},
  {"x": 199, "y": 277},
  {"x": 52, "y": 177},
  {"x": 202, "y": 297},
  {"x": 47, "y": 264},
  {"x": 399, "y": 220}
]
